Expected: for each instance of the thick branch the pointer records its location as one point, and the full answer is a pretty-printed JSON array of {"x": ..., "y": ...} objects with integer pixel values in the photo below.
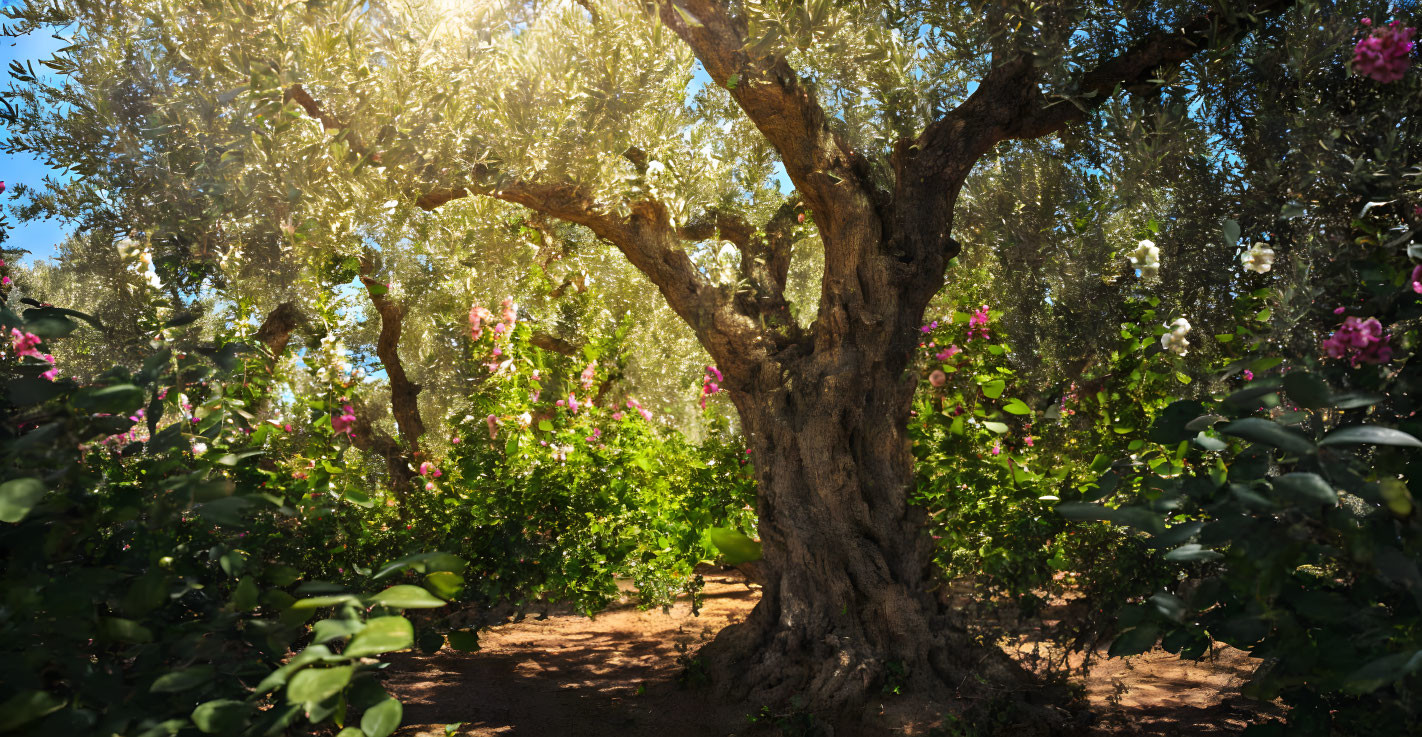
[
  {"x": 1009, "y": 103},
  {"x": 404, "y": 394},
  {"x": 276, "y": 330},
  {"x": 823, "y": 166},
  {"x": 554, "y": 344},
  {"x": 1136, "y": 69},
  {"x": 644, "y": 234}
]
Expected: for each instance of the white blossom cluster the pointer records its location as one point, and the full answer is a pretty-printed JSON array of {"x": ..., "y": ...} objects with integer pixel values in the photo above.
[
  {"x": 1259, "y": 258},
  {"x": 1174, "y": 340},
  {"x": 142, "y": 260},
  {"x": 335, "y": 365},
  {"x": 1146, "y": 257}
]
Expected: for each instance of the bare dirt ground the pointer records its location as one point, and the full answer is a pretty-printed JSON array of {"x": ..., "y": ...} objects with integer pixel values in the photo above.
[{"x": 616, "y": 674}]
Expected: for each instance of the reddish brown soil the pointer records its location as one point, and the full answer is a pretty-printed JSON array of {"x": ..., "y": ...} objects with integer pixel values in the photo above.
[{"x": 571, "y": 676}]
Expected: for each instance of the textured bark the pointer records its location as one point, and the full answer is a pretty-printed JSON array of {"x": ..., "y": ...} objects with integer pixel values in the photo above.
[
  {"x": 404, "y": 394},
  {"x": 847, "y": 572},
  {"x": 403, "y": 455},
  {"x": 276, "y": 330}
]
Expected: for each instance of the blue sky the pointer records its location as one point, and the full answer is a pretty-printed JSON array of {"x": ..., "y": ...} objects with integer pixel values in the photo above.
[{"x": 39, "y": 237}]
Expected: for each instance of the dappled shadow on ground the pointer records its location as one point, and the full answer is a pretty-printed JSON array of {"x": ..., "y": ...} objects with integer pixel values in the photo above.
[{"x": 616, "y": 675}]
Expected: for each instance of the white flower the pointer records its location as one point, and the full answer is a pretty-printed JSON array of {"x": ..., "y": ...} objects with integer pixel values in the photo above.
[
  {"x": 199, "y": 448},
  {"x": 1258, "y": 259},
  {"x": 1146, "y": 257},
  {"x": 1174, "y": 341}
]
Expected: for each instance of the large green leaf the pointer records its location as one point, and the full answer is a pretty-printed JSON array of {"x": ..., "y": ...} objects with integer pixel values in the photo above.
[
  {"x": 1383, "y": 671},
  {"x": 1016, "y": 407},
  {"x": 405, "y": 596},
  {"x": 116, "y": 399},
  {"x": 994, "y": 389},
  {"x": 28, "y": 390},
  {"x": 182, "y": 680},
  {"x": 445, "y": 584},
  {"x": 735, "y": 547},
  {"x": 464, "y": 640},
  {"x": 318, "y": 684},
  {"x": 1370, "y": 435},
  {"x": 382, "y": 635},
  {"x": 27, "y": 706},
  {"x": 1307, "y": 390},
  {"x": 1171, "y": 426},
  {"x": 223, "y": 716},
  {"x": 382, "y": 719},
  {"x": 1263, "y": 431},
  {"x": 18, "y": 497},
  {"x": 1135, "y": 641},
  {"x": 333, "y": 629},
  {"x": 1307, "y": 486}
]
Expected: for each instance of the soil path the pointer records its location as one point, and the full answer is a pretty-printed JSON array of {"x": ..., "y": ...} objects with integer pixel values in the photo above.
[{"x": 571, "y": 676}]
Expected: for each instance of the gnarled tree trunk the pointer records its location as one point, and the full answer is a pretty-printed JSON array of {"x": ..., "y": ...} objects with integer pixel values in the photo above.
[{"x": 847, "y": 605}]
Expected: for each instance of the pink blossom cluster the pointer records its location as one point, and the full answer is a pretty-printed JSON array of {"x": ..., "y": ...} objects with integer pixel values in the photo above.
[
  {"x": 477, "y": 317},
  {"x": 1360, "y": 341},
  {"x": 26, "y": 345},
  {"x": 1415, "y": 280},
  {"x": 493, "y": 423},
  {"x": 711, "y": 384},
  {"x": 634, "y": 404},
  {"x": 589, "y": 376},
  {"x": 573, "y": 404},
  {"x": 4, "y": 280},
  {"x": 345, "y": 421},
  {"x": 978, "y": 322},
  {"x": 430, "y": 470},
  {"x": 1383, "y": 54},
  {"x": 948, "y": 353}
]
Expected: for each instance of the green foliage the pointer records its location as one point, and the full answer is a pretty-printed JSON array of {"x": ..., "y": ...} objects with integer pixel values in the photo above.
[{"x": 145, "y": 589}]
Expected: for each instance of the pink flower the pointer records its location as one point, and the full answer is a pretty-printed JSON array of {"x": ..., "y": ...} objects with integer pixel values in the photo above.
[
  {"x": 938, "y": 378},
  {"x": 980, "y": 317},
  {"x": 430, "y": 470},
  {"x": 51, "y": 374},
  {"x": 535, "y": 375},
  {"x": 1382, "y": 54},
  {"x": 1339, "y": 310},
  {"x": 1416, "y": 279},
  {"x": 510, "y": 312},
  {"x": 1360, "y": 341},
  {"x": 617, "y": 416},
  {"x": 716, "y": 373},
  {"x": 286, "y": 427},
  {"x": 25, "y": 344},
  {"x": 477, "y": 316},
  {"x": 493, "y": 423},
  {"x": 589, "y": 376},
  {"x": 948, "y": 352},
  {"x": 429, "y": 486},
  {"x": 596, "y": 433},
  {"x": 454, "y": 440},
  {"x": 996, "y": 448},
  {"x": 1248, "y": 375},
  {"x": 1029, "y": 441},
  {"x": 646, "y": 415},
  {"x": 4, "y": 281},
  {"x": 344, "y": 422},
  {"x": 572, "y": 403}
]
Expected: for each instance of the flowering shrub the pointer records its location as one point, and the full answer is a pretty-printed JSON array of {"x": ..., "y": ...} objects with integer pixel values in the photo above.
[
  {"x": 1359, "y": 341},
  {"x": 146, "y": 582},
  {"x": 1383, "y": 54}
]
